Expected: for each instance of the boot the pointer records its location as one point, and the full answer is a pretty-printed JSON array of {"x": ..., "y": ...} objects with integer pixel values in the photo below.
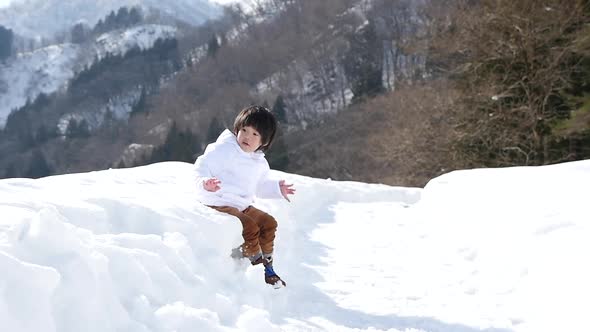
[
  {"x": 257, "y": 259},
  {"x": 270, "y": 276},
  {"x": 264, "y": 259}
]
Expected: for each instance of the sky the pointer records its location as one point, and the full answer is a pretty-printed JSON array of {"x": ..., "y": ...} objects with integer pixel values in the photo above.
[
  {"x": 131, "y": 250},
  {"x": 5, "y": 3}
]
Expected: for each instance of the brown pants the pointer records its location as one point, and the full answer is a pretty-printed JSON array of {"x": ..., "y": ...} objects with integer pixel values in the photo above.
[{"x": 258, "y": 229}]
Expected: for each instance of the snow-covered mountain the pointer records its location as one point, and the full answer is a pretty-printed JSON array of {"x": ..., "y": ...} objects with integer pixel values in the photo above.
[
  {"x": 311, "y": 86},
  {"x": 44, "y": 18},
  {"x": 26, "y": 76},
  {"x": 48, "y": 69}
]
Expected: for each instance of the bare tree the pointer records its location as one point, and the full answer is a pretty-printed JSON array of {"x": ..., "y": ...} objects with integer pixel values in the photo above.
[{"x": 514, "y": 62}]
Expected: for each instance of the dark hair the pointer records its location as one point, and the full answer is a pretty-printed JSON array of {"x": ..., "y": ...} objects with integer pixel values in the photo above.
[{"x": 261, "y": 119}]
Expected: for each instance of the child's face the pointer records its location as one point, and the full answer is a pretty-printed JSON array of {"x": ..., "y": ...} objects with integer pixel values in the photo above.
[{"x": 249, "y": 139}]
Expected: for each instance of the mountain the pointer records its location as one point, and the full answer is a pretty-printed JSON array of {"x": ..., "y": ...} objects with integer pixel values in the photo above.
[
  {"x": 45, "y": 18},
  {"x": 46, "y": 70},
  {"x": 371, "y": 90},
  {"x": 131, "y": 250},
  {"x": 196, "y": 76}
]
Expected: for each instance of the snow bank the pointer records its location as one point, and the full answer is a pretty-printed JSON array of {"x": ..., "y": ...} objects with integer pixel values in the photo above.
[
  {"x": 130, "y": 250},
  {"x": 514, "y": 243}
]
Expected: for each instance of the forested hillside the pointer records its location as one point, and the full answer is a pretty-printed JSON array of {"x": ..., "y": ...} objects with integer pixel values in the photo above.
[
  {"x": 506, "y": 84},
  {"x": 392, "y": 91}
]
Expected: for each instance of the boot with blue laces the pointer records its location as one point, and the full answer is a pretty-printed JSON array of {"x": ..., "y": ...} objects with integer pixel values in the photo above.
[{"x": 270, "y": 276}]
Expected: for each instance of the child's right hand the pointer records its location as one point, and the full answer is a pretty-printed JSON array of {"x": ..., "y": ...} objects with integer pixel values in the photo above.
[{"x": 212, "y": 184}]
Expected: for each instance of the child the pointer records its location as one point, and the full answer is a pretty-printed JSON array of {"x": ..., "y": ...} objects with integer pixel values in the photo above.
[{"x": 233, "y": 171}]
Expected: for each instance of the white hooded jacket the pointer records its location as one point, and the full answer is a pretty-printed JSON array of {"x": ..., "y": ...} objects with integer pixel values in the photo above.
[{"x": 243, "y": 175}]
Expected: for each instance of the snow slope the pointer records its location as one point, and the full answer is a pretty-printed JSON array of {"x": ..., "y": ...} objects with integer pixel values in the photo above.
[
  {"x": 130, "y": 250},
  {"x": 49, "y": 69},
  {"x": 44, "y": 18},
  {"x": 26, "y": 76}
]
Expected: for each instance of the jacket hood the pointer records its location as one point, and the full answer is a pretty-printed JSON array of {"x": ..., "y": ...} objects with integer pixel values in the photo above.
[{"x": 227, "y": 137}]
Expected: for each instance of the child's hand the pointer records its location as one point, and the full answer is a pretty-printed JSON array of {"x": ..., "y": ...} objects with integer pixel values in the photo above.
[
  {"x": 286, "y": 189},
  {"x": 212, "y": 184}
]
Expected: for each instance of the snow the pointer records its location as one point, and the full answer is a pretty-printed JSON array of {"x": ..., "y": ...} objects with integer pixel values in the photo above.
[
  {"x": 130, "y": 250},
  {"x": 225, "y": 2},
  {"x": 5, "y": 3},
  {"x": 120, "y": 41},
  {"x": 49, "y": 69},
  {"x": 46, "y": 18},
  {"x": 27, "y": 75}
]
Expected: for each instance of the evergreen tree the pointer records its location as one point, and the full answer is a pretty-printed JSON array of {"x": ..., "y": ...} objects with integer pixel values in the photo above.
[
  {"x": 72, "y": 129},
  {"x": 135, "y": 16},
  {"x": 38, "y": 167},
  {"x": 122, "y": 17},
  {"x": 179, "y": 146},
  {"x": 280, "y": 109},
  {"x": 110, "y": 21},
  {"x": 278, "y": 157},
  {"x": 84, "y": 129},
  {"x": 140, "y": 105},
  {"x": 42, "y": 135},
  {"x": 363, "y": 62},
  {"x": 212, "y": 46},
  {"x": 185, "y": 146},
  {"x": 41, "y": 101},
  {"x": 6, "y": 39},
  {"x": 99, "y": 27},
  {"x": 79, "y": 33},
  {"x": 78, "y": 129},
  {"x": 215, "y": 128},
  {"x": 19, "y": 125},
  {"x": 11, "y": 172}
]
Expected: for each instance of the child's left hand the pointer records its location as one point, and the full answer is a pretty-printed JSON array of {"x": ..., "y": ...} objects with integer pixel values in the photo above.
[{"x": 286, "y": 189}]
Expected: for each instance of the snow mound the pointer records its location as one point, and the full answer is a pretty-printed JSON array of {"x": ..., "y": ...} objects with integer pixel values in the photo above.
[{"x": 131, "y": 250}]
